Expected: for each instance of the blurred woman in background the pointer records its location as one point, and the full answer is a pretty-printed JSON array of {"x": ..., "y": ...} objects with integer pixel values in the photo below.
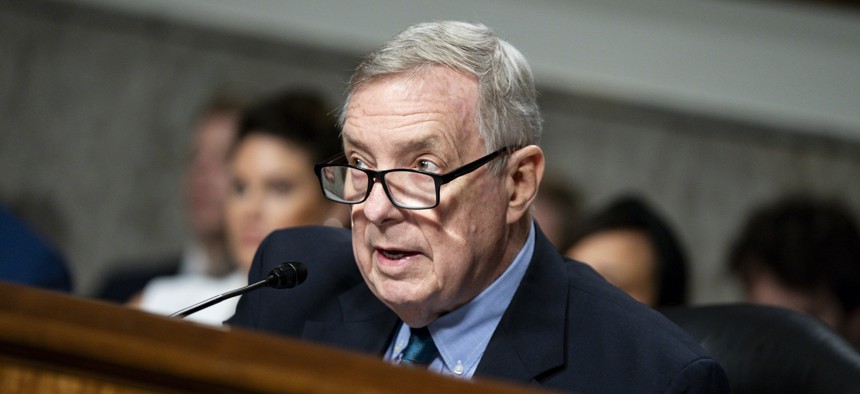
[
  {"x": 272, "y": 186},
  {"x": 273, "y": 182},
  {"x": 631, "y": 246}
]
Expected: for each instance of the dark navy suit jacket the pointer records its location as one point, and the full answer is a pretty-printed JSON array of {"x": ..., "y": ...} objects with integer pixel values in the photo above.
[
  {"x": 566, "y": 328},
  {"x": 28, "y": 258}
]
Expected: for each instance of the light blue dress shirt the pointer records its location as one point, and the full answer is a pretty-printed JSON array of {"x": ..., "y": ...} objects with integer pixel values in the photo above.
[{"x": 463, "y": 334}]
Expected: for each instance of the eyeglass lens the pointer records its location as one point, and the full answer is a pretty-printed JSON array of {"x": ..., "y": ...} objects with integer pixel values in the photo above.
[{"x": 407, "y": 189}]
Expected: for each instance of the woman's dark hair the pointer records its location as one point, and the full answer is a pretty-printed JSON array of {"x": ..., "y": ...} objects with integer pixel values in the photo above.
[
  {"x": 299, "y": 116},
  {"x": 809, "y": 244},
  {"x": 630, "y": 212}
]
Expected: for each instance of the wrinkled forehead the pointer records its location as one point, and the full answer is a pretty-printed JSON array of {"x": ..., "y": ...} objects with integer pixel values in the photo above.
[
  {"x": 438, "y": 85},
  {"x": 426, "y": 107}
]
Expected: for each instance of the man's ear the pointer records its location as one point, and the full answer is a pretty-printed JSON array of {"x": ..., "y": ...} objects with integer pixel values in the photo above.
[{"x": 524, "y": 172}]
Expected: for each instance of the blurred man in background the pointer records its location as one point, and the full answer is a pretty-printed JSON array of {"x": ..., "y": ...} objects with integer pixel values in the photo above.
[
  {"x": 803, "y": 253},
  {"x": 204, "y": 188}
]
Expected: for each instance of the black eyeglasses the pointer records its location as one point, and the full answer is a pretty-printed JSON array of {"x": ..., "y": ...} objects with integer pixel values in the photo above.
[{"x": 406, "y": 188}]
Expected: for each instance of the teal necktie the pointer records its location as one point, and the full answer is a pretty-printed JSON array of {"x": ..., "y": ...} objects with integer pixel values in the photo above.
[{"x": 421, "y": 350}]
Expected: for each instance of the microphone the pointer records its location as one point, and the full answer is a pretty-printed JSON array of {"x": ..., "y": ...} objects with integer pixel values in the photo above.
[{"x": 285, "y": 276}]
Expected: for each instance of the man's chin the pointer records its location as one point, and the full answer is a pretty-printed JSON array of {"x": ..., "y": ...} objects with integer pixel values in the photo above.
[
  {"x": 397, "y": 292},
  {"x": 399, "y": 295}
]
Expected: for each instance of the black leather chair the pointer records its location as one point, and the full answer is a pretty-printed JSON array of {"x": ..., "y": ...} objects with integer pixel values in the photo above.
[{"x": 772, "y": 350}]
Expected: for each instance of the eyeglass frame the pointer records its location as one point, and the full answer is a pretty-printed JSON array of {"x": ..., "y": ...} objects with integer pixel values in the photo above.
[{"x": 379, "y": 176}]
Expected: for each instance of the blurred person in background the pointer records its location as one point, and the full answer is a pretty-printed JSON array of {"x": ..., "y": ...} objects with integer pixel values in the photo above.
[
  {"x": 803, "y": 253},
  {"x": 556, "y": 209},
  {"x": 27, "y": 258},
  {"x": 272, "y": 185},
  {"x": 631, "y": 246},
  {"x": 203, "y": 192}
]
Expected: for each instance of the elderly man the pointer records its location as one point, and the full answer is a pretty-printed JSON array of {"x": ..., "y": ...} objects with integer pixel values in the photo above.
[{"x": 445, "y": 267}]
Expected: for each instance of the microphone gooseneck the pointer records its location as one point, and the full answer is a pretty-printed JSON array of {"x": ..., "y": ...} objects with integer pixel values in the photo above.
[{"x": 285, "y": 276}]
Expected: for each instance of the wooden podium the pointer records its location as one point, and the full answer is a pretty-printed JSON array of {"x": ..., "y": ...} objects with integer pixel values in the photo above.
[{"x": 55, "y": 343}]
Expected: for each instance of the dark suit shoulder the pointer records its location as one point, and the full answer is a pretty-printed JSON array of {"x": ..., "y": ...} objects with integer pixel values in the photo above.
[
  {"x": 327, "y": 253},
  {"x": 590, "y": 290},
  {"x": 625, "y": 335}
]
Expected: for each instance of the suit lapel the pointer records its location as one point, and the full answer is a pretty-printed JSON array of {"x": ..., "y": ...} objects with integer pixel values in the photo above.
[
  {"x": 367, "y": 324},
  {"x": 530, "y": 338}
]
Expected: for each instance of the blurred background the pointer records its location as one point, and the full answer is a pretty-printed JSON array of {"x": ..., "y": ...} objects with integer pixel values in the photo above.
[{"x": 706, "y": 107}]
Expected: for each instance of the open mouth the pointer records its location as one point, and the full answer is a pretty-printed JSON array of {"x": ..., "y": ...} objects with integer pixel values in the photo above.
[{"x": 392, "y": 254}]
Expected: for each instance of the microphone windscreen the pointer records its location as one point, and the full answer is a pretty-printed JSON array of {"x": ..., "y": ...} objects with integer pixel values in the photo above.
[{"x": 287, "y": 275}]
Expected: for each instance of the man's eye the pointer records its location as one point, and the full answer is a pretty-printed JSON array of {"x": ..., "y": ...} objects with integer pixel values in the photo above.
[
  {"x": 356, "y": 162},
  {"x": 427, "y": 166}
]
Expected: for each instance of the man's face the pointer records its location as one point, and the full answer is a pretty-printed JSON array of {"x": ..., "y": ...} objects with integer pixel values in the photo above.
[
  {"x": 424, "y": 263},
  {"x": 765, "y": 287},
  {"x": 206, "y": 177}
]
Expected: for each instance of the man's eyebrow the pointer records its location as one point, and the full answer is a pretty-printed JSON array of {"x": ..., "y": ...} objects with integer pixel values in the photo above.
[{"x": 357, "y": 144}]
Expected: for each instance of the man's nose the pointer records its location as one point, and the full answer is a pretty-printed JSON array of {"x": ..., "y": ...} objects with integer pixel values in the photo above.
[{"x": 378, "y": 207}]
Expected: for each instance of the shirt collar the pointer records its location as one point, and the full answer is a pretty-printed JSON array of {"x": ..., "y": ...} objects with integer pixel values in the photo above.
[{"x": 194, "y": 259}]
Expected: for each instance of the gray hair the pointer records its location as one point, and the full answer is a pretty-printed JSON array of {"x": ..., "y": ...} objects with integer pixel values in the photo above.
[{"x": 507, "y": 113}]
